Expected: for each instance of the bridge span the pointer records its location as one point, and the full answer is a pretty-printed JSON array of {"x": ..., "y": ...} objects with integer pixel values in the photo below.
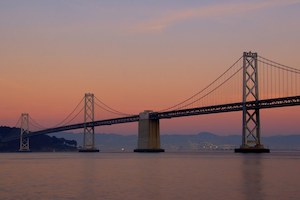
[
  {"x": 278, "y": 86},
  {"x": 232, "y": 107}
]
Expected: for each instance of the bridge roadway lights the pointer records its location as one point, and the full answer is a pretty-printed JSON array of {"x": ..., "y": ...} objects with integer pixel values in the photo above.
[
  {"x": 255, "y": 149},
  {"x": 149, "y": 134}
]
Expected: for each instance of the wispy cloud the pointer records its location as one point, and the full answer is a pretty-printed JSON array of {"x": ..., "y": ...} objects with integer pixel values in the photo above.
[{"x": 216, "y": 10}]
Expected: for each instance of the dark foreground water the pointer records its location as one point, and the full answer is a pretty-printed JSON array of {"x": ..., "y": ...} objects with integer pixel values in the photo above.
[{"x": 150, "y": 176}]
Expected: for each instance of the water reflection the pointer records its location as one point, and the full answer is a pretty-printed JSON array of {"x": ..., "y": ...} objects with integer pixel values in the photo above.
[
  {"x": 148, "y": 185},
  {"x": 88, "y": 171},
  {"x": 252, "y": 176},
  {"x": 149, "y": 176}
]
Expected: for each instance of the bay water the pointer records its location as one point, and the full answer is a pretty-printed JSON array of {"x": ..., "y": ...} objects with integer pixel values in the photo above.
[{"x": 158, "y": 176}]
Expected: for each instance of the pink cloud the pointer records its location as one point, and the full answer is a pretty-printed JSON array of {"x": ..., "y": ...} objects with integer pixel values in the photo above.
[{"x": 217, "y": 10}]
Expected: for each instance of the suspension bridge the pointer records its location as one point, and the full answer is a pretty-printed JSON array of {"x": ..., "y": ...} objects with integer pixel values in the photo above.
[{"x": 252, "y": 83}]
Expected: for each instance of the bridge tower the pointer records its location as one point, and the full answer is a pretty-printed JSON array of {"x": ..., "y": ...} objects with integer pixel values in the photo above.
[
  {"x": 149, "y": 134},
  {"x": 89, "y": 131},
  {"x": 24, "y": 141},
  {"x": 251, "y": 142}
]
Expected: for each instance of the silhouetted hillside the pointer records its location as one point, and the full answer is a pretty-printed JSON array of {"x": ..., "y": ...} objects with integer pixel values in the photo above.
[
  {"x": 204, "y": 141},
  {"x": 37, "y": 143},
  {"x": 200, "y": 142}
]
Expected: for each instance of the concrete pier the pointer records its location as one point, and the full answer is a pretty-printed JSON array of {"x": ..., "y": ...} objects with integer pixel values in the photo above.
[
  {"x": 88, "y": 150},
  {"x": 149, "y": 134},
  {"x": 255, "y": 149}
]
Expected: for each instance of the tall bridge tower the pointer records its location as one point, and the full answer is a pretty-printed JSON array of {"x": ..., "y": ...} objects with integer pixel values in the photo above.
[
  {"x": 89, "y": 131},
  {"x": 251, "y": 117},
  {"x": 24, "y": 141}
]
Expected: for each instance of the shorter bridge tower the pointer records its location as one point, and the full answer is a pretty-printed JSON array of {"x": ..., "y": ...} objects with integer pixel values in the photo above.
[
  {"x": 251, "y": 117},
  {"x": 89, "y": 131},
  {"x": 24, "y": 140},
  {"x": 149, "y": 134}
]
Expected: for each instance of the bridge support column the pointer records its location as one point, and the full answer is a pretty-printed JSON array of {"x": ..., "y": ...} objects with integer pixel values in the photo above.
[
  {"x": 251, "y": 118},
  {"x": 89, "y": 132},
  {"x": 149, "y": 134},
  {"x": 24, "y": 141}
]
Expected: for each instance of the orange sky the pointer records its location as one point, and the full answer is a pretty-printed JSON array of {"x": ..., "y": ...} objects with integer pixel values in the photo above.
[{"x": 137, "y": 55}]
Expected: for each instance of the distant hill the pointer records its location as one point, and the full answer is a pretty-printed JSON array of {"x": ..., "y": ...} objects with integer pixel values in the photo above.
[
  {"x": 203, "y": 141},
  {"x": 105, "y": 142},
  {"x": 200, "y": 142},
  {"x": 41, "y": 143}
]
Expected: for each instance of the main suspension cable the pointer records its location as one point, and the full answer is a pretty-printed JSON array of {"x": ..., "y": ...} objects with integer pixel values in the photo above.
[
  {"x": 293, "y": 70},
  {"x": 62, "y": 122},
  {"x": 276, "y": 63},
  {"x": 186, "y": 105},
  {"x": 109, "y": 109},
  {"x": 19, "y": 119},
  {"x": 74, "y": 116},
  {"x": 172, "y": 107},
  {"x": 35, "y": 124}
]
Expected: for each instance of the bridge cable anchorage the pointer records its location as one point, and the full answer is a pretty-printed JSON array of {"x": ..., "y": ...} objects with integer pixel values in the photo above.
[
  {"x": 201, "y": 91},
  {"x": 109, "y": 109}
]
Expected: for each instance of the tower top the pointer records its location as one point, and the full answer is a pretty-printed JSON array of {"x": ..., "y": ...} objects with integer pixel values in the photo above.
[{"x": 250, "y": 54}]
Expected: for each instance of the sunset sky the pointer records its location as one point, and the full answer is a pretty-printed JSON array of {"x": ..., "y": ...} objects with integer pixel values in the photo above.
[{"x": 138, "y": 55}]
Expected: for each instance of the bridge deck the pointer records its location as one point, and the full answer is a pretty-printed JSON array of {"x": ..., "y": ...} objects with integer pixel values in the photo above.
[{"x": 262, "y": 104}]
